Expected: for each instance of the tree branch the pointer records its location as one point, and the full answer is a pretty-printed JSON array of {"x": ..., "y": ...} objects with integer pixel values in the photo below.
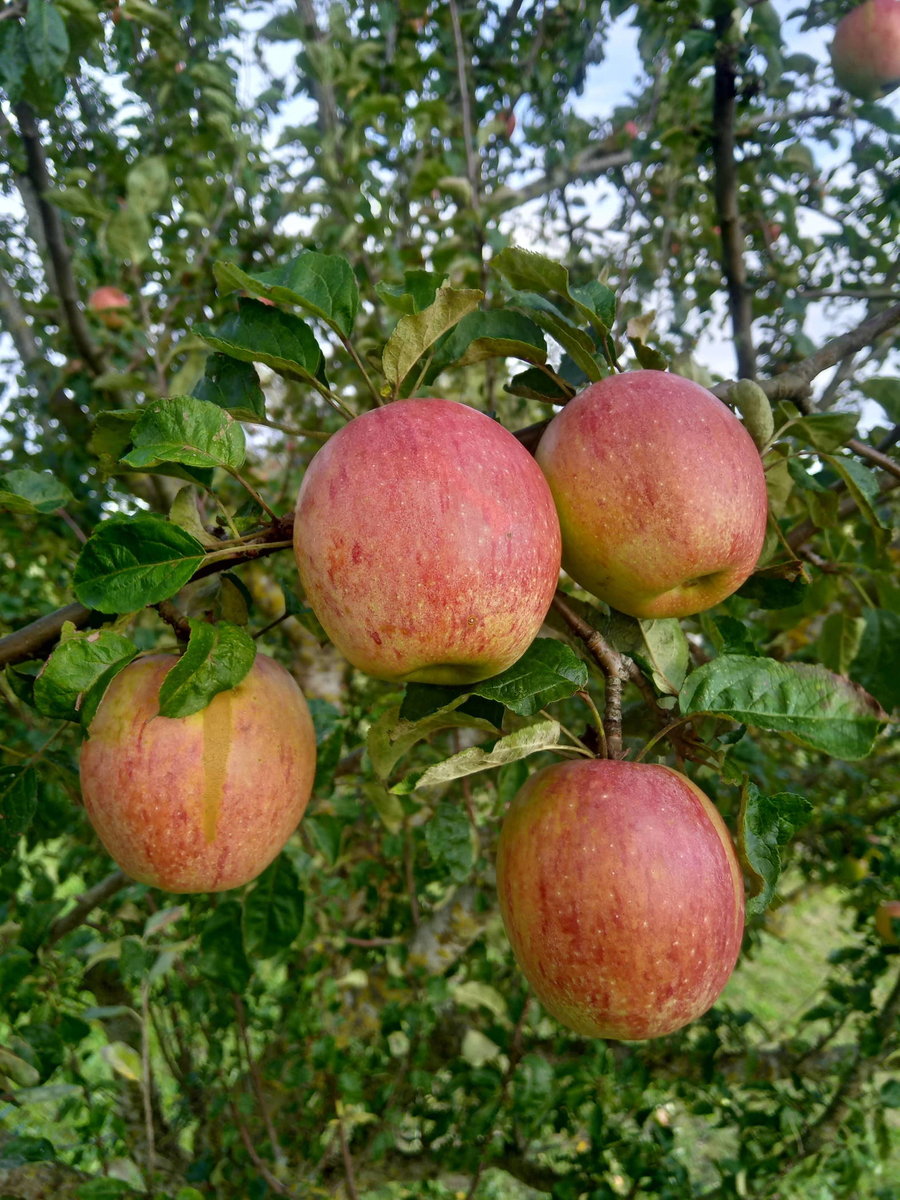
[
  {"x": 616, "y": 669},
  {"x": 86, "y": 903},
  {"x": 726, "y": 192},
  {"x": 51, "y": 221},
  {"x": 33, "y": 639}
]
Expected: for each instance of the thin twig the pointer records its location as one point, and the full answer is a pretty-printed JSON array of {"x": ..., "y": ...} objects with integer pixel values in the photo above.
[
  {"x": 256, "y": 1080},
  {"x": 86, "y": 903},
  {"x": 349, "y": 1174},
  {"x": 613, "y": 665},
  {"x": 147, "y": 1081}
]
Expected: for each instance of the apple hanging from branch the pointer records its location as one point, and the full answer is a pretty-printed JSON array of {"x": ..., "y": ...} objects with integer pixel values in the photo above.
[
  {"x": 621, "y": 895},
  {"x": 200, "y": 803},
  {"x": 865, "y": 53},
  {"x": 427, "y": 543},
  {"x": 660, "y": 491}
]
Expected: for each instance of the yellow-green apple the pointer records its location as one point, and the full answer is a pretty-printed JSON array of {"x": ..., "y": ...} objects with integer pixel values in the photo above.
[
  {"x": 110, "y": 305},
  {"x": 622, "y": 896},
  {"x": 199, "y": 803},
  {"x": 660, "y": 492},
  {"x": 887, "y": 921},
  {"x": 427, "y": 543},
  {"x": 865, "y": 53}
]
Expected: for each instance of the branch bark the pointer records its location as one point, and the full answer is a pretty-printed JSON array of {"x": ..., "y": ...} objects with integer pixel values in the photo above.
[{"x": 86, "y": 903}]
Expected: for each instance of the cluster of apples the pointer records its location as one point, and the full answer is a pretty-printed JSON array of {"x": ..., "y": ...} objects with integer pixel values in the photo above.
[{"x": 429, "y": 544}]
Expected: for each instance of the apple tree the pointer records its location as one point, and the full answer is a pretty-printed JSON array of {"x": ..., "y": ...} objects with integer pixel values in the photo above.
[{"x": 231, "y": 235}]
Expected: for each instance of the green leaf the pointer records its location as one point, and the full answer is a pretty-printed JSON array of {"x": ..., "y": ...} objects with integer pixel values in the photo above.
[
  {"x": 18, "y": 802},
  {"x": 774, "y": 589},
  {"x": 104, "y": 1189},
  {"x": 273, "y": 910},
  {"x": 877, "y": 663},
  {"x": 767, "y": 823},
  {"x": 823, "y": 431},
  {"x": 735, "y": 637},
  {"x": 147, "y": 184},
  {"x": 322, "y": 284},
  {"x": 128, "y": 234},
  {"x": 884, "y": 391},
  {"x": 809, "y": 704},
  {"x": 528, "y": 271},
  {"x": 755, "y": 408},
  {"x": 27, "y": 491},
  {"x": 665, "y": 653},
  {"x": 540, "y": 734},
  {"x": 186, "y": 430},
  {"x": 493, "y": 334},
  {"x": 129, "y": 562},
  {"x": 216, "y": 659},
  {"x": 536, "y": 384},
  {"x": 448, "y": 836},
  {"x": 327, "y": 832},
  {"x": 17, "y": 1070},
  {"x": 549, "y": 670},
  {"x": 839, "y": 641},
  {"x": 233, "y": 385},
  {"x": 415, "y": 334},
  {"x": 416, "y": 293},
  {"x": 80, "y": 201},
  {"x": 267, "y": 335},
  {"x": 390, "y": 737},
  {"x": 24, "y": 1149},
  {"x": 222, "y": 957},
  {"x": 124, "y": 1060},
  {"x": 46, "y": 38},
  {"x": 576, "y": 342},
  {"x": 78, "y": 672},
  {"x": 862, "y": 485}
]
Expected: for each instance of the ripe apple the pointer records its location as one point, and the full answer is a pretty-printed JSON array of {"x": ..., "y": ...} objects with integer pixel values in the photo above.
[
  {"x": 865, "y": 53},
  {"x": 887, "y": 921},
  {"x": 622, "y": 897},
  {"x": 660, "y": 492},
  {"x": 427, "y": 543},
  {"x": 108, "y": 303},
  {"x": 200, "y": 803}
]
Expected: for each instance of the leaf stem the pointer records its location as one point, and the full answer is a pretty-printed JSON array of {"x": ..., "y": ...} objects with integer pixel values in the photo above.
[
  {"x": 245, "y": 483},
  {"x": 642, "y": 754}
]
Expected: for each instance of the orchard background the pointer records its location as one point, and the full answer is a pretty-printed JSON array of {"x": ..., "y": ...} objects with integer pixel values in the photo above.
[{"x": 353, "y": 1023}]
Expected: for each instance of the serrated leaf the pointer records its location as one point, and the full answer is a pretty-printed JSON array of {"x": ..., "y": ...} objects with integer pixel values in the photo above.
[
  {"x": 536, "y": 384},
  {"x": 18, "y": 802},
  {"x": 27, "y": 491},
  {"x": 884, "y": 391},
  {"x": 549, "y": 670},
  {"x": 767, "y": 823},
  {"x": 576, "y": 342},
  {"x": 448, "y": 836},
  {"x": 390, "y": 737},
  {"x": 823, "y": 431},
  {"x": 185, "y": 514},
  {"x": 46, "y": 38},
  {"x": 877, "y": 663},
  {"x": 79, "y": 201},
  {"x": 124, "y": 1060},
  {"x": 755, "y": 408},
  {"x": 233, "y": 385},
  {"x": 541, "y": 734},
  {"x": 862, "y": 485},
  {"x": 281, "y": 340},
  {"x": 217, "y": 658},
  {"x": 273, "y": 910},
  {"x": 492, "y": 334},
  {"x": 79, "y": 668},
  {"x": 322, "y": 284},
  {"x": 839, "y": 641},
  {"x": 665, "y": 652},
  {"x": 128, "y": 234},
  {"x": 415, "y": 334},
  {"x": 528, "y": 271},
  {"x": 809, "y": 704},
  {"x": 416, "y": 293},
  {"x": 186, "y": 430},
  {"x": 129, "y": 562}
]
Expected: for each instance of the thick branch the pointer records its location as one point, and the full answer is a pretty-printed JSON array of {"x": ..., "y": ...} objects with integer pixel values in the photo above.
[
  {"x": 16, "y": 323},
  {"x": 726, "y": 192},
  {"x": 33, "y": 639},
  {"x": 616, "y": 669},
  {"x": 52, "y": 224}
]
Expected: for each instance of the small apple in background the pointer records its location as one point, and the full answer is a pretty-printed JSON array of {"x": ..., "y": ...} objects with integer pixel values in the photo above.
[
  {"x": 427, "y": 543},
  {"x": 660, "y": 492},
  {"x": 621, "y": 895},
  {"x": 865, "y": 53},
  {"x": 887, "y": 921},
  {"x": 110, "y": 305},
  {"x": 631, "y": 129},
  {"x": 205, "y": 802}
]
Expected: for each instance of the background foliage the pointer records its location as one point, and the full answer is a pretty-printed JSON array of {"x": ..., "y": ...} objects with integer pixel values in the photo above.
[{"x": 352, "y": 1023}]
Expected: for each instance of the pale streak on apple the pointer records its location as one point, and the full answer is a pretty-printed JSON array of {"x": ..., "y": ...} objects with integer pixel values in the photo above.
[{"x": 216, "y": 744}]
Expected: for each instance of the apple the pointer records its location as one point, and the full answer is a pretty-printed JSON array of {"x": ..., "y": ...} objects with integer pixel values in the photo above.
[
  {"x": 427, "y": 543},
  {"x": 887, "y": 921},
  {"x": 108, "y": 302},
  {"x": 200, "y": 803},
  {"x": 865, "y": 53},
  {"x": 621, "y": 895},
  {"x": 660, "y": 492}
]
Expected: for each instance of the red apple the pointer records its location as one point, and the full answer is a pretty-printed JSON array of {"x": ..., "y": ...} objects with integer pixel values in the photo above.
[
  {"x": 865, "y": 53},
  {"x": 621, "y": 895},
  {"x": 108, "y": 303},
  {"x": 887, "y": 921},
  {"x": 660, "y": 492},
  {"x": 200, "y": 803},
  {"x": 427, "y": 543}
]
